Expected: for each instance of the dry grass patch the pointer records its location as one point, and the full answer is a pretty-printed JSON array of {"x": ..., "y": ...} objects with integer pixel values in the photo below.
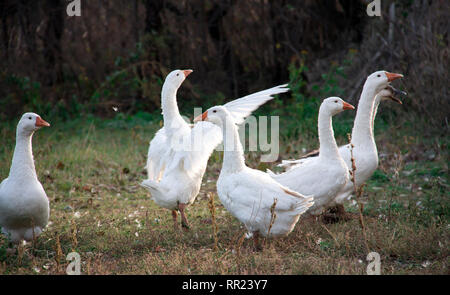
[{"x": 91, "y": 175}]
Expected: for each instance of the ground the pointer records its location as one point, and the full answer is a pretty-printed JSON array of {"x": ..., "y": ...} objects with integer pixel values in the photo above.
[{"x": 91, "y": 169}]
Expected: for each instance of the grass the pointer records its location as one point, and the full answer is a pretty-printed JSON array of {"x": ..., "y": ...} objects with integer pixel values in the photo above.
[{"x": 91, "y": 168}]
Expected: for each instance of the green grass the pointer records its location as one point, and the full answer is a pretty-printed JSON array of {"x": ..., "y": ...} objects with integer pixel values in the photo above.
[{"x": 91, "y": 168}]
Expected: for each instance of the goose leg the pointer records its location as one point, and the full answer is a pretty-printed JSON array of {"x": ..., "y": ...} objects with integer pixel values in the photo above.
[
  {"x": 175, "y": 219},
  {"x": 336, "y": 214},
  {"x": 342, "y": 214},
  {"x": 340, "y": 211},
  {"x": 184, "y": 221},
  {"x": 256, "y": 241}
]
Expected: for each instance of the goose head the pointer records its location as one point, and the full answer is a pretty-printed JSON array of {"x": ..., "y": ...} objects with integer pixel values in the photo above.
[
  {"x": 334, "y": 105},
  {"x": 390, "y": 93},
  {"x": 176, "y": 78},
  {"x": 381, "y": 79},
  {"x": 29, "y": 123},
  {"x": 216, "y": 115}
]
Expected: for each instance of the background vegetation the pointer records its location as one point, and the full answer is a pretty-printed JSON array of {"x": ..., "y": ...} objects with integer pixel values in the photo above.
[
  {"x": 97, "y": 80},
  {"x": 118, "y": 52}
]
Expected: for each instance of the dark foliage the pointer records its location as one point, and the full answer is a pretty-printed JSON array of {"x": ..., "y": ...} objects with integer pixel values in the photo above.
[{"x": 118, "y": 52}]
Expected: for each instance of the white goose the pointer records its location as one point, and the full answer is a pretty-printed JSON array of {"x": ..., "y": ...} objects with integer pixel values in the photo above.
[
  {"x": 323, "y": 176},
  {"x": 24, "y": 206},
  {"x": 375, "y": 90},
  {"x": 249, "y": 194},
  {"x": 389, "y": 93},
  {"x": 179, "y": 153}
]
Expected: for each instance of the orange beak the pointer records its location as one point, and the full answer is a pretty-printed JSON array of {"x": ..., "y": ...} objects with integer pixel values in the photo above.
[
  {"x": 393, "y": 76},
  {"x": 187, "y": 72},
  {"x": 201, "y": 117},
  {"x": 347, "y": 106},
  {"x": 41, "y": 123}
]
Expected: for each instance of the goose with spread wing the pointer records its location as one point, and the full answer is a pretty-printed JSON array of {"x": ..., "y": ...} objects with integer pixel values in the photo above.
[{"x": 179, "y": 152}]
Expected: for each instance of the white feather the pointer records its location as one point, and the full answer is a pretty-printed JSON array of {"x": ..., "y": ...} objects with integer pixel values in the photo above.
[
  {"x": 179, "y": 152},
  {"x": 250, "y": 194},
  {"x": 24, "y": 206},
  {"x": 244, "y": 106},
  {"x": 322, "y": 176}
]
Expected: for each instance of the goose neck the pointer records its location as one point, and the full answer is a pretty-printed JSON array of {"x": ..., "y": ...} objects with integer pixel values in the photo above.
[
  {"x": 233, "y": 155},
  {"x": 169, "y": 104},
  {"x": 328, "y": 147},
  {"x": 362, "y": 129},
  {"x": 374, "y": 113},
  {"x": 22, "y": 166}
]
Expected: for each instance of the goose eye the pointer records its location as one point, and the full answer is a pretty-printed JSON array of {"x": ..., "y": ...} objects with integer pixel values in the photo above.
[
  {"x": 335, "y": 101},
  {"x": 378, "y": 75},
  {"x": 29, "y": 118},
  {"x": 178, "y": 74},
  {"x": 214, "y": 111}
]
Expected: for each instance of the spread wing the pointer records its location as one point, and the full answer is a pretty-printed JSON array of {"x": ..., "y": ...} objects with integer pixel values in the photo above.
[
  {"x": 244, "y": 106},
  {"x": 205, "y": 136},
  {"x": 200, "y": 141}
]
